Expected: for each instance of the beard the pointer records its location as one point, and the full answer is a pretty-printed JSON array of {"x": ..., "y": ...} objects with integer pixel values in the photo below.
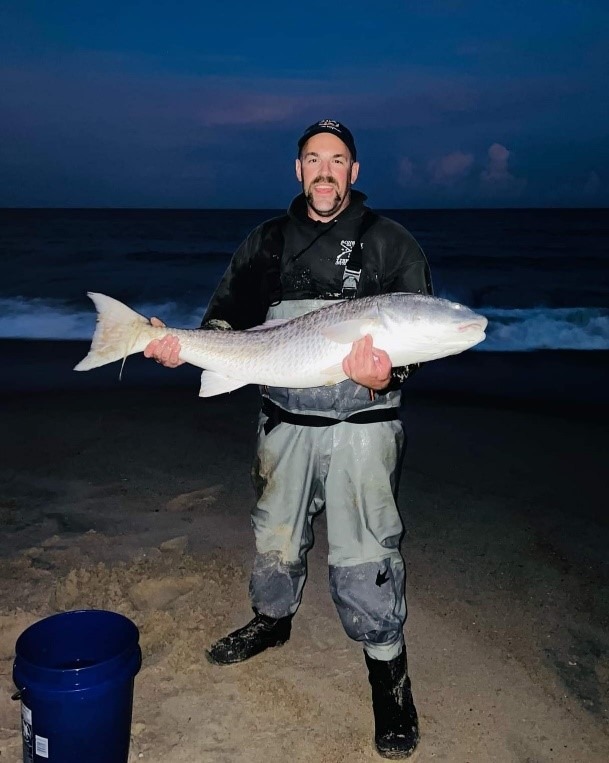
[{"x": 336, "y": 201}]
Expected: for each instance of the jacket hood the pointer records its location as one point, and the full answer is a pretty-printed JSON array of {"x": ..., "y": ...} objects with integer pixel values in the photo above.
[{"x": 298, "y": 209}]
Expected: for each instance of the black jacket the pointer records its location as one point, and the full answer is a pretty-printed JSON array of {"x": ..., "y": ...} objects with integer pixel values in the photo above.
[{"x": 312, "y": 262}]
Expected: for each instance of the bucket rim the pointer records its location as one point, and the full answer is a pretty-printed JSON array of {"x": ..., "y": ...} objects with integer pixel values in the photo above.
[{"x": 26, "y": 663}]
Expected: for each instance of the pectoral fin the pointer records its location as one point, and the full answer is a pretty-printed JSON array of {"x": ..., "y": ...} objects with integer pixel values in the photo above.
[
  {"x": 333, "y": 374},
  {"x": 348, "y": 332},
  {"x": 216, "y": 384}
]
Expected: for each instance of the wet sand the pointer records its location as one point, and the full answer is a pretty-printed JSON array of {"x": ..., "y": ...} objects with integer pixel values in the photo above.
[{"x": 135, "y": 497}]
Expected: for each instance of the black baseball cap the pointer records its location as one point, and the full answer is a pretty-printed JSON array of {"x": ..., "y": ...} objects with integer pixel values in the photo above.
[{"x": 334, "y": 128}]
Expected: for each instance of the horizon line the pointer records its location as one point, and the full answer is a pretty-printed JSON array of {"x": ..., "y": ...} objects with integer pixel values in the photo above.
[{"x": 283, "y": 209}]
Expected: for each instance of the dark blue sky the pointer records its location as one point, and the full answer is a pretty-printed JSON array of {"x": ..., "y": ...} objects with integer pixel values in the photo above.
[{"x": 200, "y": 104}]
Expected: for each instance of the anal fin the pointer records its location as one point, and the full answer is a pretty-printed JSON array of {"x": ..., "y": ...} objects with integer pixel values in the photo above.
[
  {"x": 213, "y": 384},
  {"x": 333, "y": 374}
]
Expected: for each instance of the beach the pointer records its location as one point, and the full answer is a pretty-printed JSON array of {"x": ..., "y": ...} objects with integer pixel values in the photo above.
[{"x": 135, "y": 497}]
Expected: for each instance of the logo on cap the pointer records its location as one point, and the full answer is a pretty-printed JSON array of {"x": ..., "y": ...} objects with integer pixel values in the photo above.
[{"x": 332, "y": 124}]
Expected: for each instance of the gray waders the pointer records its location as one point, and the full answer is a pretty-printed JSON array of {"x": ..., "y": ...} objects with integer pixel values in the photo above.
[{"x": 352, "y": 471}]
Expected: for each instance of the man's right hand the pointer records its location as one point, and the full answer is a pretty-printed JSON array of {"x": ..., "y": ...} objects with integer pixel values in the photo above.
[{"x": 165, "y": 351}]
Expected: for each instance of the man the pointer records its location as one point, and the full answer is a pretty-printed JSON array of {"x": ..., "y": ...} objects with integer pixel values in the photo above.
[{"x": 335, "y": 447}]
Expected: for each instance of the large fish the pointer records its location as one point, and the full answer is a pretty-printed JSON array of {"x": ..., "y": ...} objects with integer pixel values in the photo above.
[{"x": 301, "y": 352}]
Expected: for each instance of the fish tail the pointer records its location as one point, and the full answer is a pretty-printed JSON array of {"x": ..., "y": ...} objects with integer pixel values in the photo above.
[{"x": 120, "y": 332}]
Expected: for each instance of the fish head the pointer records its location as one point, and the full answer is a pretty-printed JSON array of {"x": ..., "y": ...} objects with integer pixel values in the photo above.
[
  {"x": 428, "y": 327},
  {"x": 465, "y": 325}
]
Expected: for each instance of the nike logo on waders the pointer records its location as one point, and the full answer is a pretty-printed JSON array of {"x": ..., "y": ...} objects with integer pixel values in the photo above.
[{"x": 381, "y": 577}]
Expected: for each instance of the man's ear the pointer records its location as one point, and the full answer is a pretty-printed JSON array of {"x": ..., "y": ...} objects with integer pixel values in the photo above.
[
  {"x": 298, "y": 168},
  {"x": 354, "y": 171}
]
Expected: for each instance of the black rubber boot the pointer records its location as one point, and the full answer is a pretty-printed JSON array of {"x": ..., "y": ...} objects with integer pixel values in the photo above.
[
  {"x": 396, "y": 733},
  {"x": 259, "y": 634}
]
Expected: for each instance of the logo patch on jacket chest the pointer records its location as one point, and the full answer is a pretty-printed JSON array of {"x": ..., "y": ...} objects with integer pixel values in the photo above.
[{"x": 346, "y": 247}]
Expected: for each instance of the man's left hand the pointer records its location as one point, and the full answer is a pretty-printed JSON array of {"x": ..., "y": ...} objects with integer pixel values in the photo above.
[{"x": 368, "y": 366}]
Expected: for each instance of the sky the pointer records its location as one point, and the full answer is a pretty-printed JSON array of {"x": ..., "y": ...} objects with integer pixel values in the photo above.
[{"x": 200, "y": 104}]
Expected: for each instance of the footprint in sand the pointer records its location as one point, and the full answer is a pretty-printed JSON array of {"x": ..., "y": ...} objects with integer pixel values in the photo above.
[
  {"x": 159, "y": 594},
  {"x": 197, "y": 499},
  {"x": 178, "y": 545}
]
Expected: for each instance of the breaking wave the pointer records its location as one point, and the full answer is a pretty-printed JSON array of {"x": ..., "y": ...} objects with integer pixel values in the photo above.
[
  {"x": 566, "y": 328},
  {"x": 510, "y": 330}
]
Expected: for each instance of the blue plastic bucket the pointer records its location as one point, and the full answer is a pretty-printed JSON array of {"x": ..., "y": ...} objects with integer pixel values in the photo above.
[{"x": 75, "y": 673}]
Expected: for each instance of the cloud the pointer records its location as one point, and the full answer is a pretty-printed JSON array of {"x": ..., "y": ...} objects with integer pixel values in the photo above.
[
  {"x": 496, "y": 178},
  {"x": 111, "y": 124},
  {"x": 448, "y": 169},
  {"x": 583, "y": 190},
  {"x": 406, "y": 174},
  {"x": 248, "y": 109},
  {"x": 496, "y": 170}
]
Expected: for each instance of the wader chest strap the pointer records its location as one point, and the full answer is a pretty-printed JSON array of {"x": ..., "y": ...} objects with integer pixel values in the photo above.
[
  {"x": 276, "y": 415},
  {"x": 353, "y": 268}
]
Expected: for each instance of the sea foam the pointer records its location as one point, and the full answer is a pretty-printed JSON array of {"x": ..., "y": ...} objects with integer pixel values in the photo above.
[{"x": 509, "y": 330}]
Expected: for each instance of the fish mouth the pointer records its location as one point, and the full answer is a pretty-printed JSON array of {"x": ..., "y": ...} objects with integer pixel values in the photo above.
[
  {"x": 478, "y": 325},
  {"x": 474, "y": 331}
]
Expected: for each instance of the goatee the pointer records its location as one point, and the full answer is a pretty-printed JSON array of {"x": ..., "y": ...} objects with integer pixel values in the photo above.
[
  {"x": 324, "y": 212},
  {"x": 338, "y": 199}
]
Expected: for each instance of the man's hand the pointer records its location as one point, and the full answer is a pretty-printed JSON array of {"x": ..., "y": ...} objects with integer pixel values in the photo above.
[
  {"x": 368, "y": 366},
  {"x": 165, "y": 351}
]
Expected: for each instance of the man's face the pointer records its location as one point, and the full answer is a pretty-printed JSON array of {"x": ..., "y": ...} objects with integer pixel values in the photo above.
[{"x": 326, "y": 172}]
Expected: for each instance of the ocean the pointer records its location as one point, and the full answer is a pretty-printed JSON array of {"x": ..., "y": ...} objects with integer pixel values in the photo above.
[{"x": 540, "y": 276}]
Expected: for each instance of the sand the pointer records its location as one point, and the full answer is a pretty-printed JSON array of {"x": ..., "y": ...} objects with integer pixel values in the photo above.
[{"x": 137, "y": 500}]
